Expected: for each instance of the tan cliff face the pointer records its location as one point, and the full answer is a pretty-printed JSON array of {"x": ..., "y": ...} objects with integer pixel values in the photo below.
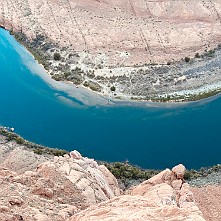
[
  {"x": 124, "y": 49},
  {"x": 125, "y": 32}
]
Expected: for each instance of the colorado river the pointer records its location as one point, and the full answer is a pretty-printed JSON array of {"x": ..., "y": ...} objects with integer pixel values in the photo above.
[{"x": 59, "y": 115}]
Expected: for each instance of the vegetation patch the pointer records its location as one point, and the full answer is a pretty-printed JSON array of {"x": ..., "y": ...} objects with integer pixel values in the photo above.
[
  {"x": 38, "y": 149},
  {"x": 57, "y": 56},
  {"x": 113, "y": 88},
  {"x": 127, "y": 173},
  {"x": 202, "y": 172}
]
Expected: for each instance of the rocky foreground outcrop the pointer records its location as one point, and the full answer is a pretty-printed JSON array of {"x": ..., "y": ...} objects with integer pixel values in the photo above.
[
  {"x": 55, "y": 189},
  {"x": 163, "y": 197},
  {"x": 74, "y": 188}
]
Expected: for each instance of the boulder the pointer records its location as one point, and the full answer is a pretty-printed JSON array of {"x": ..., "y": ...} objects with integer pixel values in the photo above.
[
  {"x": 75, "y": 154},
  {"x": 179, "y": 171}
]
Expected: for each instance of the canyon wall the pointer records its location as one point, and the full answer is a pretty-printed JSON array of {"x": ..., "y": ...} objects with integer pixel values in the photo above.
[{"x": 125, "y": 32}]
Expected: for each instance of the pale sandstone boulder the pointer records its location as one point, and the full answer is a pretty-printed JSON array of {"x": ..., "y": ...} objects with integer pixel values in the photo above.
[
  {"x": 65, "y": 213},
  {"x": 179, "y": 171},
  {"x": 135, "y": 208},
  {"x": 75, "y": 154},
  {"x": 111, "y": 179},
  {"x": 83, "y": 174},
  {"x": 177, "y": 184},
  {"x": 162, "y": 177}
]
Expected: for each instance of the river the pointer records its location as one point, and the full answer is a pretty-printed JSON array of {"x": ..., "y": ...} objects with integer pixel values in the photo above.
[{"x": 60, "y": 115}]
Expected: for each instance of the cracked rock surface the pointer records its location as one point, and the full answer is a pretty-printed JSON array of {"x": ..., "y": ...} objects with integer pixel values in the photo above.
[
  {"x": 37, "y": 187},
  {"x": 126, "y": 31},
  {"x": 164, "y": 197},
  {"x": 75, "y": 188}
]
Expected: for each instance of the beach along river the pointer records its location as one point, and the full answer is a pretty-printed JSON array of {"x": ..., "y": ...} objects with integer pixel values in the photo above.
[{"x": 59, "y": 115}]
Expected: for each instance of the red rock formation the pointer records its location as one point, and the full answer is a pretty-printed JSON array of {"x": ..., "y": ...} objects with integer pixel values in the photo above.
[{"x": 76, "y": 188}]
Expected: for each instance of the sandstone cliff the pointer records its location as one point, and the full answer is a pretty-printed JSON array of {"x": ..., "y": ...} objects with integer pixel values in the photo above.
[
  {"x": 126, "y": 31},
  {"x": 43, "y": 187}
]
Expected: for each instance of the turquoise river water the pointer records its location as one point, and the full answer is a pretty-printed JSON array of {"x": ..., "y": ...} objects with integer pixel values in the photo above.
[{"x": 59, "y": 115}]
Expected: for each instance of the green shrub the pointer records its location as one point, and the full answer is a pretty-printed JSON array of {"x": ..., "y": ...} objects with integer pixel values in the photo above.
[
  {"x": 20, "y": 140},
  {"x": 125, "y": 171},
  {"x": 210, "y": 53},
  {"x": 186, "y": 59},
  {"x": 197, "y": 55},
  {"x": 57, "y": 56},
  {"x": 38, "y": 151},
  {"x": 113, "y": 88}
]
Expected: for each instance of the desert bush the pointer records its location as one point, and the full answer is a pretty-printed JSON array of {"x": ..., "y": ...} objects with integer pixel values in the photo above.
[{"x": 57, "y": 56}]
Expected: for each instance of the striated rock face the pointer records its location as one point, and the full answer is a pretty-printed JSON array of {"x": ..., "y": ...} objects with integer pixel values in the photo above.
[
  {"x": 124, "y": 32},
  {"x": 55, "y": 190},
  {"x": 164, "y": 197}
]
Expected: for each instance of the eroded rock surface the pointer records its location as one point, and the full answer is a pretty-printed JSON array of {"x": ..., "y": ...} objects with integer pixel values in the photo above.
[
  {"x": 18, "y": 158},
  {"x": 74, "y": 188},
  {"x": 208, "y": 199},
  {"x": 164, "y": 197},
  {"x": 53, "y": 190}
]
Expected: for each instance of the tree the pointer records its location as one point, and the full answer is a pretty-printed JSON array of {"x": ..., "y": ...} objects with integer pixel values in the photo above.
[
  {"x": 187, "y": 59},
  {"x": 57, "y": 56},
  {"x": 113, "y": 88},
  {"x": 197, "y": 55}
]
